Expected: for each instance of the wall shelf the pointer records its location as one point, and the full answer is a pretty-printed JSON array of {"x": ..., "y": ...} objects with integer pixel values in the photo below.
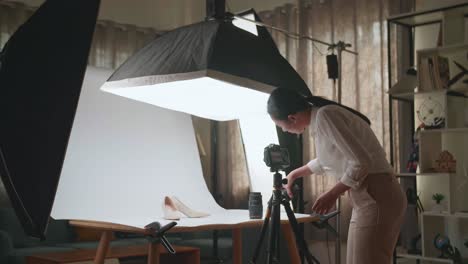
[
  {"x": 419, "y": 257},
  {"x": 431, "y": 104},
  {"x": 445, "y": 214},
  {"x": 429, "y": 174},
  {"x": 446, "y": 130},
  {"x": 425, "y": 17}
]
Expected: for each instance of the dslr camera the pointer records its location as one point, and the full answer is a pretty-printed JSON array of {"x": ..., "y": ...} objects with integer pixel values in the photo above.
[{"x": 276, "y": 157}]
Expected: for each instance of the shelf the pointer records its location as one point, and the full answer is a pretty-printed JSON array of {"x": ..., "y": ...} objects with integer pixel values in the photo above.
[
  {"x": 444, "y": 49},
  {"x": 403, "y": 96},
  {"x": 446, "y": 214},
  {"x": 440, "y": 174},
  {"x": 446, "y": 130},
  {"x": 425, "y": 17},
  {"x": 410, "y": 256}
]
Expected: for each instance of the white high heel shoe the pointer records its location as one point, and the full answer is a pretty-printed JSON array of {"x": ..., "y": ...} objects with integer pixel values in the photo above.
[
  {"x": 186, "y": 210},
  {"x": 170, "y": 210},
  {"x": 173, "y": 208}
]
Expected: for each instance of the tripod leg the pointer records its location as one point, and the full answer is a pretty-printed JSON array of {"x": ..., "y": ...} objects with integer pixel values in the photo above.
[
  {"x": 266, "y": 221},
  {"x": 303, "y": 249},
  {"x": 274, "y": 228}
]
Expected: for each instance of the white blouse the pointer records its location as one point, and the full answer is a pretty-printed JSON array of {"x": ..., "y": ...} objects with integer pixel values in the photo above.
[{"x": 346, "y": 147}]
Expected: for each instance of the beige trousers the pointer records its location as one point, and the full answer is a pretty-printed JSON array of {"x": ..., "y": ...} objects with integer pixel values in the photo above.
[{"x": 378, "y": 211}]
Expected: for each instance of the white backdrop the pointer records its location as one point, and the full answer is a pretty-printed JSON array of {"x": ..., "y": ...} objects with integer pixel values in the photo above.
[{"x": 124, "y": 156}]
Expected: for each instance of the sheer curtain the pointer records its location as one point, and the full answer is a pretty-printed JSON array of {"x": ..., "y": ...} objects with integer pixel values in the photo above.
[
  {"x": 112, "y": 43},
  {"x": 362, "y": 23}
]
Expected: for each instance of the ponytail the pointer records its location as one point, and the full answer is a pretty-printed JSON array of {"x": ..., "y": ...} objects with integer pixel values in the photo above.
[
  {"x": 320, "y": 101},
  {"x": 284, "y": 102}
]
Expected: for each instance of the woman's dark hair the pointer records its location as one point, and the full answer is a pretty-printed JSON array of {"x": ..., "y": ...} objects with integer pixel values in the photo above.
[{"x": 284, "y": 102}]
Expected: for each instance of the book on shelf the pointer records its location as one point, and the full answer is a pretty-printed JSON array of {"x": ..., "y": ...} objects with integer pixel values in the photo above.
[{"x": 433, "y": 73}]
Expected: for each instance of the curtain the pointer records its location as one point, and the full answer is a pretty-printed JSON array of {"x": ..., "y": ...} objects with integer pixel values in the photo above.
[
  {"x": 112, "y": 43},
  {"x": 362, "y": 23},
  {"x": 233, "y": 183}
]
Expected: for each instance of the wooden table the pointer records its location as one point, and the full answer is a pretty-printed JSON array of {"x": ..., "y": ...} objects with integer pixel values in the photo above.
[
  {"x": 185, "y": 255},
  {"x": 155, "y": 249}
]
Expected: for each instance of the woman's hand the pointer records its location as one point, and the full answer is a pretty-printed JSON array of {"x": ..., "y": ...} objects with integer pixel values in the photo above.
[
  {"x": 292, "y": 176},
  {"x": 325, "y": 202}
]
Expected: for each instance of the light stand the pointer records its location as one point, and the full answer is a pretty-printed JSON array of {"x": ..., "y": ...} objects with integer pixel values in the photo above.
[{"x": 339, "y": 47}]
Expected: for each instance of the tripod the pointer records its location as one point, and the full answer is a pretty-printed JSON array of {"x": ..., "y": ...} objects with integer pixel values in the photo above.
[{"x": 273, "y": 211}]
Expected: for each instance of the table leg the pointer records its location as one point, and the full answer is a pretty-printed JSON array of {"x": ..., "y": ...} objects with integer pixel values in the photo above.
[
  {"x": 154, "y": 250},
  {"x": 103, "y": 247},
  {"x": 237, "y": 246},
  {"x": 291, "y": 242}
]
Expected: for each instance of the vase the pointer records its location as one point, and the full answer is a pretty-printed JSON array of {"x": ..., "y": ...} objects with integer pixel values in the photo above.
[{"x": 438, "y": 208}]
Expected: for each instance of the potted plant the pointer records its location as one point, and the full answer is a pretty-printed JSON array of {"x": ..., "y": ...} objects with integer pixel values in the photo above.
[{"x": 438, "y": 197}]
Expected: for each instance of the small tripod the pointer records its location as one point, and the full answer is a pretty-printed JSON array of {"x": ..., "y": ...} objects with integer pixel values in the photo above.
[{"x": 273, "y": 211}]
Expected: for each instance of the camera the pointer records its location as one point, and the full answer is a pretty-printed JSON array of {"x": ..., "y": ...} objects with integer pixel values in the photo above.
[{"x": 276, "y": 157}]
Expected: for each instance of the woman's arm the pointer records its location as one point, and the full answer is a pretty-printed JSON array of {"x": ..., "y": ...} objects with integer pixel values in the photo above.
[
  {"x": 296, "y": 174},
  {"x": 328, "y": 199}
]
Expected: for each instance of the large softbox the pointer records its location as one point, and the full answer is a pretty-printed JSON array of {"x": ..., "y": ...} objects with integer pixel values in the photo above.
[
  {"x": 212, "y": 69},
  {"x": 41, "y": 73}
]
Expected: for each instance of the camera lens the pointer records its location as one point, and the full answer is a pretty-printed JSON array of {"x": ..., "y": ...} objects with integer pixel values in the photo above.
[{"x": 255, "y": 205}]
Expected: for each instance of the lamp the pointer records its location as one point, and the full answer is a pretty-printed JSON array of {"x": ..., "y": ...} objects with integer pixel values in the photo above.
[{"x": 212, "y": 69}]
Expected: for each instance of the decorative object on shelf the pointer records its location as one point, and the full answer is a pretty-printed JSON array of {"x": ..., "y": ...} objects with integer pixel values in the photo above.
[
  {"x": 431, "y": 113},
  {"x": 434, "y": 73},
  {"x": 445, "y": 162},
  {"x": 413, "y": 160},
  {"x": 447, "y": 251},
  {"x": 458, "y": 76},
  {"x": 437, "y": 197}
]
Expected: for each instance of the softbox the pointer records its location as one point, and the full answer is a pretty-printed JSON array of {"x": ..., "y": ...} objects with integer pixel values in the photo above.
[{"x": 41, "y": 73}]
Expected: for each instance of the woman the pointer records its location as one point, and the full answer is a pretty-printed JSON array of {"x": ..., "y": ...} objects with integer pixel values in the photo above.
[{"x": 346, "y": 148}]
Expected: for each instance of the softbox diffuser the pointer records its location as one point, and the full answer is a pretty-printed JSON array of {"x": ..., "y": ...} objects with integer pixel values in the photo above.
[
  {"x": 211, "y": 69},
  {"x": 41, "y": 73}
]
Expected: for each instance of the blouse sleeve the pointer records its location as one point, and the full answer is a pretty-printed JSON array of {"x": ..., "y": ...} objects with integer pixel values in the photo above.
[
  {"x": 333, "y": 126},
  {"x": 315, "y": 166}
]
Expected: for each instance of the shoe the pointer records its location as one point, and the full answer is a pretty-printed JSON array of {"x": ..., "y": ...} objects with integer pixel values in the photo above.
[
  {"x": 173, "y": 207},
  {"x": 170, "y": 210},
  {"x": 186, "y": 210}
]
